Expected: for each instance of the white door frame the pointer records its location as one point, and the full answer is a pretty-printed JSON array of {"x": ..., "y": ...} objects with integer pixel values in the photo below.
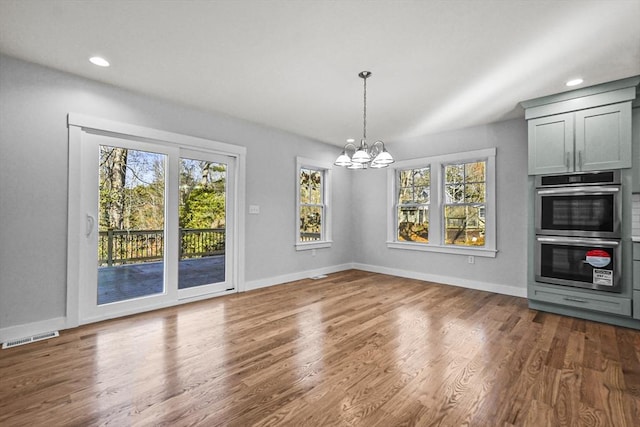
[{"x": 79, "y": 128}]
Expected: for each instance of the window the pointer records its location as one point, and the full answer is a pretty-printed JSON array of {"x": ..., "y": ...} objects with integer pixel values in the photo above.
[
  {"x": 464, "y": 203},
  {"x": 444, "y": 204},
  {"x": 312, "y": 207},
  {"x": 412, "y": 207}
]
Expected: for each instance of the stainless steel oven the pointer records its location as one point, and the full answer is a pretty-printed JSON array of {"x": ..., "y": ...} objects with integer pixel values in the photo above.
[
  {"x": 581, "y": 204},
  {"x": 577, "y": 220},
  {"x": 581, "y": 262}
]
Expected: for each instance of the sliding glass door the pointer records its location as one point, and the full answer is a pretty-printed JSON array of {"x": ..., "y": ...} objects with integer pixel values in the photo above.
[{"x": 157, "y": 223}]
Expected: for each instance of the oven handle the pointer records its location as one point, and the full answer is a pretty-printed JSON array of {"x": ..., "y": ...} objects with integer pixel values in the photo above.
[
  {"x": 575, "y": 190},
  {"x": 587, "y": 242}
]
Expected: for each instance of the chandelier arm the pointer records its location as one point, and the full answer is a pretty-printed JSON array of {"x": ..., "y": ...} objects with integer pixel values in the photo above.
[
  {"x": 350, "y": 147},
  {"x": 378, "y": 142}
]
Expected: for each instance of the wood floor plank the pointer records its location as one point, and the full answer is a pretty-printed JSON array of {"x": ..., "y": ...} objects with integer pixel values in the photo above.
[{"x": 353, "y": 349}]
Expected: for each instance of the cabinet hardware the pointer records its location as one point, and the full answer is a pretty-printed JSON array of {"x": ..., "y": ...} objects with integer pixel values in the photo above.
[
  {"x": 580, "y": 160},
  {"x": 575, "y": 299}
]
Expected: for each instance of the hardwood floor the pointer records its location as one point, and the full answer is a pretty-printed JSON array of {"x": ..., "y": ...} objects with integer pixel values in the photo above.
[{"x": 354, "y": 349}]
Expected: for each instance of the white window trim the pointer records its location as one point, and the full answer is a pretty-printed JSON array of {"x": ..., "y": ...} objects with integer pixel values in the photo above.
[
  {"x": 325, "y": 241},
  {"x": 436, "y": 227}
]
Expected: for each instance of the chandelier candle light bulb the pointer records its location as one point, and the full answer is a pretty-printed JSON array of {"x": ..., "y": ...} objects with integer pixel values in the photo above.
[{"x": 364, "y": 156}]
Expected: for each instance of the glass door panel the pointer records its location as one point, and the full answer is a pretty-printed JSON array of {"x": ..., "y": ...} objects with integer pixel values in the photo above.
[
  {"x": 131, "y": 224},
  {"x": 203, "y": 220}
]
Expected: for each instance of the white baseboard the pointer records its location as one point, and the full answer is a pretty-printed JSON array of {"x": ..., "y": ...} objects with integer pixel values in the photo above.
[
  {"x": 447, "y": 280},
  {"x": 29, "y": 329},
  {"x": 58, "y": 323},
  {"x": 285, "y": 278}
]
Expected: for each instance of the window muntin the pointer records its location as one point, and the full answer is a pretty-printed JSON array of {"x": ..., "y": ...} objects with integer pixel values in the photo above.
[
  {"x": 311, "y": 212},
  {"x": 464, "y": 203},
  {"x": 412, "y": 205}
]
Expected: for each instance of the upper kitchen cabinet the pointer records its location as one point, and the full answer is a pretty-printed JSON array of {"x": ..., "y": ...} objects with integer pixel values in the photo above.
[
  {"x": 551, "y": 144},
  {"x": 603, "y": 138},
  {"x": 582, "y": 130}
]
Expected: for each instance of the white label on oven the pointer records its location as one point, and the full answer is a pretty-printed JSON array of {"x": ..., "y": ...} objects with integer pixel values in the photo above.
[{"x": 602, "y": 277}]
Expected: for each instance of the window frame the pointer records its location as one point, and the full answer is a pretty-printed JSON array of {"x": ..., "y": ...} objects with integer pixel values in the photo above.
[
  {"x": 325, "y": 238},
  {"x": 413, "y": 204},
  {"x": 464, "y": 184},
  {"x": 437, "y": 202}
]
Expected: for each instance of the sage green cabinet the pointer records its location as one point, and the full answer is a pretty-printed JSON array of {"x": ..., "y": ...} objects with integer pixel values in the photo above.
[
  {"x": 551, "y": 144},
  {"x": 586, "y": 140},
  {"x": 636, "y": 280},
  {"x": 568, "y": 297},
  {"x": 636, "y": 267},
  {"x": 635, "y": 140}
]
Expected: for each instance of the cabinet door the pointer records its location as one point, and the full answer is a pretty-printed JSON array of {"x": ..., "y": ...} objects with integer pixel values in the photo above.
[
  {"x": 635, "y": 130},
  {"x": 603, "y": 138},
  {"x": 551, "y": 144}
]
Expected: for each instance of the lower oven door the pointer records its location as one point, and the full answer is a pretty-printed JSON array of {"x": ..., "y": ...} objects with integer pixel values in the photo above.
[{"x": 581, "y": 262}]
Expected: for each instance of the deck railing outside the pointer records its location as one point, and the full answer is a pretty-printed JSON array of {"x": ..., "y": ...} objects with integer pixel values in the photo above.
[
  {"x": 117, "y": 247},
  {"x": 309, "y": 237}
]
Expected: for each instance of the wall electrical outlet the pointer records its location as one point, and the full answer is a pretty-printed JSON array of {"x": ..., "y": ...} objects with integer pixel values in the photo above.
[
  {"x": 471, "y": 259},
  {"x": 254, "y": 209}
]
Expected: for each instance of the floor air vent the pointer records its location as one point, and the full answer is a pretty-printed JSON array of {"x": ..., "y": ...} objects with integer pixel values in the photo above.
[
  {"x": 318, "y": 276},
  {"x": 28, "y": 340}
]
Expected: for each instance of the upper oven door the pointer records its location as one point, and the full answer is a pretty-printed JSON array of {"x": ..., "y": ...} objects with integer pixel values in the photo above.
[{"x": 588, "y": 211}]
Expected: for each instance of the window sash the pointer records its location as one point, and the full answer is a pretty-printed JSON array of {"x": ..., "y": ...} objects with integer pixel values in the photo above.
[
  {"x": 466, "y": 233},
  {"x": 416, "y": 231},
  {"x": 310, "y": 236}
]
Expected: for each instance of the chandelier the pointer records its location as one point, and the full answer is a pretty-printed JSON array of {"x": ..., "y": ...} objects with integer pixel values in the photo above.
[{"x": 364, "y": 157}]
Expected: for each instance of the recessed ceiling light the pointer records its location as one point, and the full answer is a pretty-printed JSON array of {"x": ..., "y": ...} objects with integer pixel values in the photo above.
[
  {"x": 574, "y": 82},
  {"x": 99, "y": 61},
  {"x": 351, "y": 140}
]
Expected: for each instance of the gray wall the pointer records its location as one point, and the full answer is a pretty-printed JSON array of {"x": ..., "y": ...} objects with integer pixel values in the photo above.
[
  {"x": 35, "y": 101},
  {"x": 509, "y": 267}
]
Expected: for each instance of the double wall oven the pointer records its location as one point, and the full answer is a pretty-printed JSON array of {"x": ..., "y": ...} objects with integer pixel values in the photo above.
[{"x": 577, "y": 222}]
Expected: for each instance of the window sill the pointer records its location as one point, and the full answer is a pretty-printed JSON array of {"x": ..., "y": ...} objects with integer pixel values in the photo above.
[
  {"x": 448, "y": 249},
  {"x": 313, "y": 245}
]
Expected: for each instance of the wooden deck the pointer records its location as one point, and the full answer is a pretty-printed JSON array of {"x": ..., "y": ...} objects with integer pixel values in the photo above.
[
  {"x": 353, "y": 349},
  {"x": 123, "y": 282}
]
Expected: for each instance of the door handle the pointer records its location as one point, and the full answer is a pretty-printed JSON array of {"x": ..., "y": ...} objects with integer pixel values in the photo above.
[
  {"x": 580, "y": 159},
  {"x": 574, "y": 299},
  {"x": 90, "y": 223}
]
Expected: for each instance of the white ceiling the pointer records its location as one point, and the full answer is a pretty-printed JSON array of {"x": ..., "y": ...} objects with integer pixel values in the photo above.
[{"x": 293, "y": 65}]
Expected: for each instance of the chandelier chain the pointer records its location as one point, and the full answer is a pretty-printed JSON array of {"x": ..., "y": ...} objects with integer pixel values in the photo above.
[{"x": 364, "y": 128}]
